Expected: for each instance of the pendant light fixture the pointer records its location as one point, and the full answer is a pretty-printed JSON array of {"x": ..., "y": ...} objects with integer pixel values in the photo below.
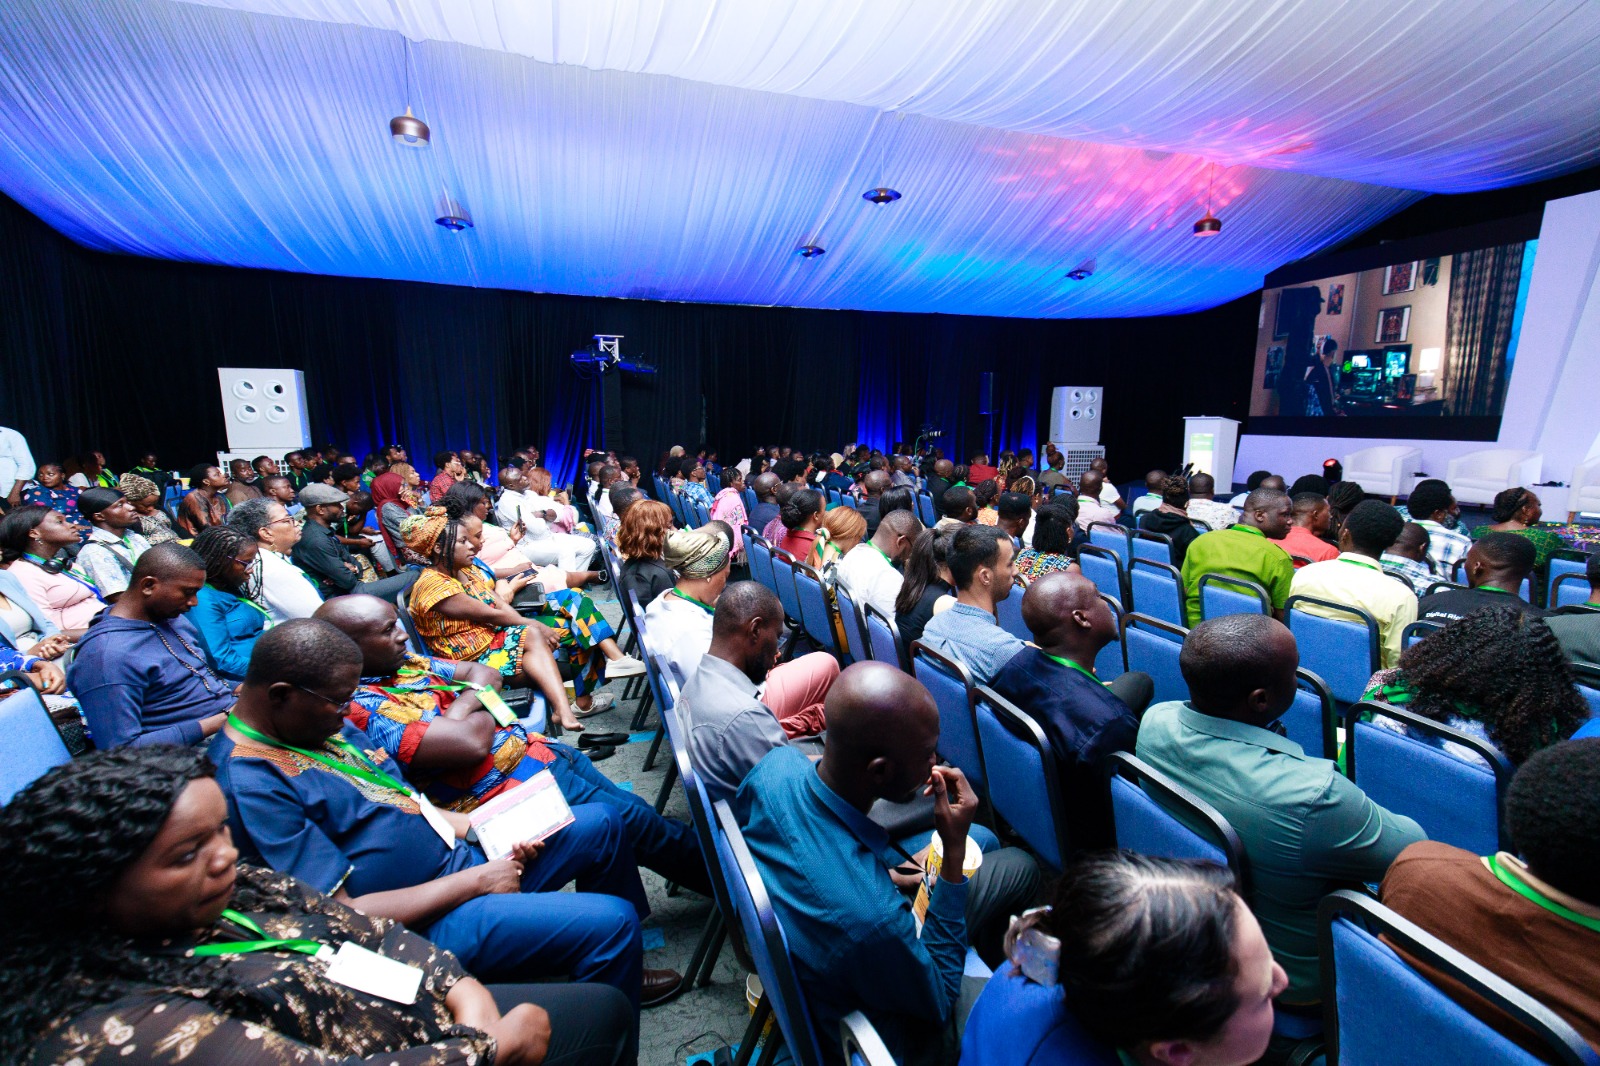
[
  {"x": 452, "y": 215},
  {"x": 881, "y": 195},
  {"x": 1210, "y": 225},
  {"x": 408, "y": 130},
  {"x": 810, "y": 251}
]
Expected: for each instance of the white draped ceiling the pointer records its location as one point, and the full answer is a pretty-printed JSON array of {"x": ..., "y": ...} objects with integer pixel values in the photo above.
[{"x": 682, "y": 149}]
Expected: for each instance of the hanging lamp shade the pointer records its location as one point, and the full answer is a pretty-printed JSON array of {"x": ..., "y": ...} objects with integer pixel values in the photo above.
[
  {"x": 408, "y": 130},
  {"x": 880, "y": 196},
  {"x": 453, "y": 216},
  {"x": 1209, "y": 226},
  {"x": 810, "y": 251}
]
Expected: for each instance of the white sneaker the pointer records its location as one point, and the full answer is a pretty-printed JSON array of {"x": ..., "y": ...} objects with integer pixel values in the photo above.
[
  {"x": 598, "y": 702},
  {"x": 627, "y": 666}
]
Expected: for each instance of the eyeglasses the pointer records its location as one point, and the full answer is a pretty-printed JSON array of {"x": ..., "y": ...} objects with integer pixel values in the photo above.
[
  {"x": 280, "y": 521},
  {"x": 338, "y": 705}
]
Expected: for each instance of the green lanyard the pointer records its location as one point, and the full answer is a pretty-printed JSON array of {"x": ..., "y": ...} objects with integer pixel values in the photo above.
[
  {"x": 706, "y": 607},
  {"x": 262, "y": 943},
  {"x": 248, "y": 601},
  {"x": 1491, "y": 588},
  {"x": 437, "y": 686},
  {"x": 1068, "y": 662},
  {"x": 367, "y": 772},
  {"x": 1358, "y": 562},
  {"x": 881, "y": 552},
  {"x": 1522, "y": 888}
]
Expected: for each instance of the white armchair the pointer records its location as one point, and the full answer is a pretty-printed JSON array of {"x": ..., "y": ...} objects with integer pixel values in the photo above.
[
  {"x": 1477, "y": 476},
  {"x": 1384, "y": 471},
  {"x": 1584, "y": 495}
]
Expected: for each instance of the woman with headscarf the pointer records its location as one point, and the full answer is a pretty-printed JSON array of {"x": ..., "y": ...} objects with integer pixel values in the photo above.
[
  {"x": 393, "y": 505},
  {"x": 145, "y": 495}
]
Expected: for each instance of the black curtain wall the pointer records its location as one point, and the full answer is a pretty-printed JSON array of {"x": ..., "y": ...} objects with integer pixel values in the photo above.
[{"x": 120, "y": 354}]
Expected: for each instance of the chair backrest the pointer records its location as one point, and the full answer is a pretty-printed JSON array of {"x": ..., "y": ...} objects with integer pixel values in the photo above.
[
  {"x": 1153, "y": 646},
  {"x": 848, "y": 501},
  {"x": 1569, "y": 589},
  {"x": 784, "y": 585},
  {"x": 1151, "y": 546},
  {"x": 1154, "y": 815},
  {"x": 413, "y": 635},
  {"x": 1009, "y": 613},
  {"x": 833, "y": 497},
  {"x": 1113, "y": 538},
  {"x": 814, "y": 616},
  {"x": 1457, "y": 574},
  {"x": 1156, "y": 589},
  {"x": 1112, "y": 662},
  {"x": 1103, "y": 567},
  {"x": 759, "y": 552},
  {"x": 749, "y": 497},
  {"x": 713, "y": 483},
  {"x": 1589, "y": 685},
  {"x": 953, "y": 691},
  {"x": 1559, "y": 568},
  {"x": 1377, "y": 1008},
  {"x": 1222, "y": 594},
  {"x": 1016, "y": 751},
  {"x": 1418, "y": 630},
  {"x": 703, "y": 818},
  {"x": 862, "y": 1044},
  {"x": 1343, "y": 650},
  {"x": 769, "y": 948},
  {"x": 925, "y": 510},
  {"x": 33, "y": 743},
  {"x": 1453, "y": 800},
  {"x": 855, "y": 629},
  {"x": 883, "y": 637},
  {"x": 1311, "y": 720}
]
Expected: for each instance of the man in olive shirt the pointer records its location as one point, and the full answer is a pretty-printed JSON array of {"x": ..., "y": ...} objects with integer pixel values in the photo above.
[
  {"x": 1248, "y": 549},
  {"x": 1578, "y": 627},
  {"x": 1306, "y": 828}
]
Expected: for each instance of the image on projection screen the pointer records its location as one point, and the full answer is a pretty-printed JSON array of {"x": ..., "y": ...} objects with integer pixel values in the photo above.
[{"x": 1428, "y": 338}]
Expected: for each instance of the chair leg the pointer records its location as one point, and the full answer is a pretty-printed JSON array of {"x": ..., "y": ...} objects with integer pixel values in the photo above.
[
  {"x": 666, "y": 785},
  {"x": 714, "y": 953},
  {"x": 642, "y": 714},
  {"x": 655, "y": 747},
  {"x": 752, "y": 1032}
]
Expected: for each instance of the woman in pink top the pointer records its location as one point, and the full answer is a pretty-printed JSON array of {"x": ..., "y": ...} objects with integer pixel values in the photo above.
[
  {"x": 729, "y": 506},
  {"x": 30, "y": 538}
]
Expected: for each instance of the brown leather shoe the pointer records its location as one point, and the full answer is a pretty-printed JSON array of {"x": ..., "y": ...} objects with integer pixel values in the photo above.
[{"x": 660, "y": 986}]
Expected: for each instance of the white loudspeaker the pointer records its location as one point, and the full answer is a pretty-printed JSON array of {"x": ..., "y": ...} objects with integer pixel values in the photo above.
[
  {"x": 264, "y": 409},
  {"x": 1075, "y": 414}
]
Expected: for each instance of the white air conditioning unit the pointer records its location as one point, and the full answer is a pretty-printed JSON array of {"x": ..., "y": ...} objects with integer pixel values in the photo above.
[
  {"x": 1075, "y": 413},
  {"x": 264, "y": 410}
]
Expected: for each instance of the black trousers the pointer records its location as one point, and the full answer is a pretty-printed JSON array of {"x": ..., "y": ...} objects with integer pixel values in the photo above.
[{"x": 590, "y": 1025}]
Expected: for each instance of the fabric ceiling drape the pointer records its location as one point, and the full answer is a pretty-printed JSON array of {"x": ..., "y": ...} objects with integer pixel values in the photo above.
[{"x": 1483, "y": 299}]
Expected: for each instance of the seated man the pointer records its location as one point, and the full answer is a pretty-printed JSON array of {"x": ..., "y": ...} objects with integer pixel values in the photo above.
[
  {"x": 1307, "y": 828},
  {"x": 312, "y": 796},
  {"x": 1202, "y": 508},
  {"x": 1356, "y": 577},
  {"x": 1578, "y": 627},
  {"x": 428, "y": 714},
  {"x": 1308, "y": 522},
  {"x": 329, "y": 563},
  {"x": 1530, "y": 919},
  {"x": 1053, "y": 681},
  {"x": 280, "y": 488},
  {"x": 959, "y": 507},
  {"x": 851, "y": 931},
  {"x": 1091, "y": 506},
  {"x": 1496, "y": 566},
  {"x": 1249, "y": 549},
  {"x": 1015, "y": 515},
  {"x": 286, "y": 591},
  {"x": 680, "y": 626},
  {"x": 870, "y": 569},
  {"x": 1407, "y": 559},
  {"x": 874, "y": 483},
  {"x": 968, "y": 632},
  {"x": 114, "y": 544},
  {"x": 1108, "y": 493},
  {"x": 1432, "y": 506},
  {"x": 140, "y": 672},
  {"x": 765, "y": 512},
  {"x": 1155, "y": 485}
]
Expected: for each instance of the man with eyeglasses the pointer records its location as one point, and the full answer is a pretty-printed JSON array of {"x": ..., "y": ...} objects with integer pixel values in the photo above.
[
  {"x": 286, "y": 591},
  {"x": 313, "y": 796}
]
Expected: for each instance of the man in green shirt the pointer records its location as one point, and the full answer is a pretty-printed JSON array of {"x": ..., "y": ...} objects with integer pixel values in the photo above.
[
  {"x": 1306, "y": 828},
  {"x": 1247, "y": 549}
]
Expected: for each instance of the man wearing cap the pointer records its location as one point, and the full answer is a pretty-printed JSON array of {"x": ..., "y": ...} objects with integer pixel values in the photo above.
[{"x": 329, "y": 563}]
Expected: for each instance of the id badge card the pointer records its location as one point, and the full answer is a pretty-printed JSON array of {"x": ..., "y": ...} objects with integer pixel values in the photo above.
[
  {"x": 497, "y": 707},
  {"x": 366, "y": 971},
  {"x": 446, "y": 831}
]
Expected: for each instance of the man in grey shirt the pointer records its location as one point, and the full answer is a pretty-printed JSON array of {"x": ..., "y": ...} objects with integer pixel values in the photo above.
[{"x": 968, "y": 631}]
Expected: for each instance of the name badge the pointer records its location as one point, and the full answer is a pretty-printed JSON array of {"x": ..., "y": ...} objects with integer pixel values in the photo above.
[
  {"x": 446, "y": 831},
  {"x": 366, "y": 971},
  {"x": 496, "y": 705}
]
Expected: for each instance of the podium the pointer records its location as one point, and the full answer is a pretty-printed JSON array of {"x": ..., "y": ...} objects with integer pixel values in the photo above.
[{"x": 1209, "y": 443}]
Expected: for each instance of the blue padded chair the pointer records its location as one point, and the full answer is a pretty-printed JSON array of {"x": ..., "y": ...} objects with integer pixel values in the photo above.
[
  {"x": 1018, "y": 1021},
  {"x": 815, "y": 617},
  {"x": 1156, "y": 589},
  {"x": 1113, "y": 538},
  {"x": 1154, "y": 547},
  {"x": 1569, "y": 589},
  {"x": 1112, "y": 662},
  {"x": 1222, "y": 594},
  {"x": 33, "y": 743},
  {"x": 862, "y": 1044},
  {"x": 855, "y": 630},
  {"x": 1154, "y": 815},
  {"x": 713, "y": 483},
  {"x": 1458, "y": 574},
  {"x": 925, "y": 510},
  {"x": 781, "y": 996},
  {"x": 1418, "y": 630},
  {"x": 1311, "y": 720},
  {"x": 848, "y": 501},
  {"x": 1560, "y": 568},
  {"x": 1153, "y": 646},
  {"x": 1589, "y": 686},
  {"x": 1016, "y": 751},
  {"x": 1104, "y": 567},
  {"x": 1378, "y": 1009},
  {"x": 1454, "y": 801},
  {"x": 1343, "y": 650},
  {"x": 759, "y": 552},
  {"x": 784, "y": 584},
  {"x": 954, "y": 694},
  {"x": 749, "y": 497},
  {"x": 883, "y": 637},
  {"x": 1009, "y": 612},
  {"x": 833, "y": 497},
  {"x": 675, "y": 505}
]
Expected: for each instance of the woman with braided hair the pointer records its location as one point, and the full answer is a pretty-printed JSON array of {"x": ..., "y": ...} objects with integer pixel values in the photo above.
[
  {"x": 134, "y": 937},
  {"x": 1517, "y": 510},
  {"x": 1497, "y": 674},
  {"x": 229, "y": 612}
]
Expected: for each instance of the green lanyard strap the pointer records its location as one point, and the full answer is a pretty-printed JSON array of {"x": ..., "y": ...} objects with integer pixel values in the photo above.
[
  {"x": 706, "y": 607},
  {"x": 1522, "y": 888},
  {"x": 440, "y": 685},
  {"x": 1068, "y": 662},
  {"x": 366, "y": 772},
  {"x": 1359, "y": 562},
  {"x": 262, "y": 943}
]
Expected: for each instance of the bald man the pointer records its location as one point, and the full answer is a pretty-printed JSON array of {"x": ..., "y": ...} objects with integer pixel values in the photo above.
[
  {"x": 1091, "y": 505},
  {"x": 873, "y": 485},
  {"x": 850, "y": 928},
  {"x": 1053, "y": 681}
]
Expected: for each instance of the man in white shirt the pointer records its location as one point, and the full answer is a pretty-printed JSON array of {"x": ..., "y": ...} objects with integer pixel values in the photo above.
[
  {"x": 16, "y": 465},
  {"x": 1356, "y": 578},
  {"x": 869, "y": 569},
  {"x": 508, "y": 508},
  {"x": 1091, "y": 509},
  {"x": 1202, "y": 508},
  {"x": 1108, "y": 494},
  {"x": 1154, "y": 485},
  {"x": 286, "y": 591}
]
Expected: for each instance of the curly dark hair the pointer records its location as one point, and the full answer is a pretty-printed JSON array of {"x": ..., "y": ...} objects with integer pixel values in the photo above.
[
  {"x": 799, "y": 507},
  {"x": 1553, "y": 814},
  {"x": 219, "y": 546},
  {"x": 986, "y": 491},
  {"x": 67, "y": 838},
  {"x": 1507, "y": 502},
  {"x": 1507, "y": 667}
]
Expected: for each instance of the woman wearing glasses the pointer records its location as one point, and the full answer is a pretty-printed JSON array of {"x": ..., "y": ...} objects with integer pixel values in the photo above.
[
  {"x": 228, "y": 610},
  {"x": 286, "y": 591}
]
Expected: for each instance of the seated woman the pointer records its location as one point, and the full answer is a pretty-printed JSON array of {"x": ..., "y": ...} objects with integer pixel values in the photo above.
[
  {"x": 927, "y": 583},
  {"x": 52, "y": 490},
  {"x": 145, "y": 495},
  {"x": 1052, "y": 541},
  {"x": 802, "y": 515},
  {"x": 842, "y": 529},
  {"x": 133, "y": 936},
  {"x": 985, "y": 492},
  {"x": 23, "y": 624},
  {"x": 728, "y": 506},
  {"x": 1137, "y": 960},
  {"x": 92, "y": 472},
  {"x": 115, "y": 543},
  {"x": 641, "y": 541},
  {"x": 393, "y": 503},
  {"x": 1517, "y": 510},
  {"x": 286, "y": 590},
  {"x": 550, "y": 521},
  {"x": 1170, "y": 518},
  {"x": 229, "y": 611},
  {"x": 460, "y": 616},
  {"x": 1497, "y": 674},
  {"x": 31, "y": 539}
]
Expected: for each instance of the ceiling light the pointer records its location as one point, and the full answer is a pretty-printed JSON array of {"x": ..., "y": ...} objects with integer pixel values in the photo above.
[
  {"x": 1210, "y": 225},
  {"x": 880, "y": 196},
  {"x": 1078, "y": 274},
  {"x": 452, "y": 216},
  {"x": 409, "y": 131},
  {"x": 810, "y": 251}
]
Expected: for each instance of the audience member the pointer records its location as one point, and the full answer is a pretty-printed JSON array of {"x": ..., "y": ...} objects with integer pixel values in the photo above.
[
  {"x": 25, "y": 627},
  {"x": 728, "y": 506},
  {"x": 228, "y": 614},
  {"x": 1171, "y": 517},
  {"x": 1577, "y": 627},
  {"x": 205, "y": 505},
  {"x": 508, "y": 507},
  {"x": 1529, "y": 917},
  {"x": 1091, "y": 508},
  {"x": 326, "y": 561},
  {"x": 1205, "y": 510},
  {"x": 93, "y": 471},
  {"x": 978, "y": 469},
  {"x": 694, "y": 482},
  {"x": 1407, "y": 558},
  {"x": 1432, "y": 506},
  {"x": 1250, "y": 549},
  {"x": 1155, "y": 483},
  {"x": 149, "y": 468},
  {"x": 1497, "y": 675},
  {"x": 1306, "y": 827},
  {"x": 1495, "y": 567},
  {"x": 802, "y": 515},
  {"x": 52, "y": 491},
  {"x": 31, "y": 539},
  {"x": 278, "y": 487},
  {"x": 960, "y": 509},
  {"x": 1054, "y": 478},
  {"x": 392, "y": 504},
  {"x": 1308, "y": 527},
  {"x": 286, "y": 590},
  {"x": 1053, "y": 679},
  {"x": 852, "y": 935},
  {"x": 869, "y": 569},
  {"x": 114, "y": 544},
  {"x": 1517, "y": 511},
  {"x": 1051, "y": 547},
  {"x": 145, "y": 495},
  {"x": 16, "y": 465},
  {"x": 766, "y": 510},
  {"x": 1342, "y": 499},
  {"x": 1355, "y": 578},
  {"x": 979, "y": 560},
  {"x": 621, "y": 496},
  {"x": 1159, "y": 962},
  {"x": 549, "y": 521},
  {"x": 140, "y": 674},
  {"x": 1014, "y": 511},
  {"x": 943, "y": 476},
  {"x": 243, "y": 484},
  {"x": 900, "y": 474},
  {"x": 896, "y": 499},
  {"x": 449, "y": 469},
  {"x": 46, "y": 677},
  {"x": 1309, "y": 483},
  {"x": 642, "y": 539},
  {"x": 1256, "y": 479},
  {"x": 984, "y": 494}
]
